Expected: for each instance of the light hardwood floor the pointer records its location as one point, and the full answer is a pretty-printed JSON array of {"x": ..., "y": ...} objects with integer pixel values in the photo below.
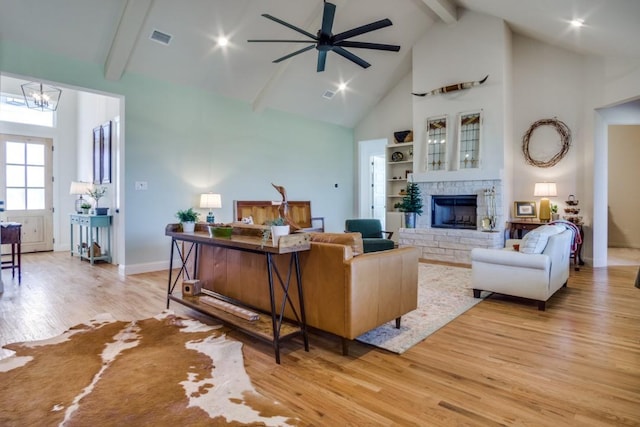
[{"x": 501, "y": 363}]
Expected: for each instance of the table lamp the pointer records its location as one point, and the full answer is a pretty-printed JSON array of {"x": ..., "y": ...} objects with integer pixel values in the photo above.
[
  {"x": 544, "y": 190},
  {"x": 79, "y": 188},
  {"x": 210, "y": 201}
]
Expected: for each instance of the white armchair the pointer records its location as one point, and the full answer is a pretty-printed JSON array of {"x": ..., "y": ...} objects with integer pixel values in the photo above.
[{"x": 535, "y": 276}]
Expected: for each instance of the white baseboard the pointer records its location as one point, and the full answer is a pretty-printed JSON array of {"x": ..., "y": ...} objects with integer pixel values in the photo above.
[{"x": 125, "y": 270}]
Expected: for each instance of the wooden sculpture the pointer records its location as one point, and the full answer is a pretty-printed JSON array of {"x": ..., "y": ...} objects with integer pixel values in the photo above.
[
  {"x": 283, "y": 209},
  {"x": 452, "y": 88}
]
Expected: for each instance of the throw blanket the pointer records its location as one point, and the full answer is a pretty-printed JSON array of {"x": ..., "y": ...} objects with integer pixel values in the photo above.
[{"x": 577, "y": 238}]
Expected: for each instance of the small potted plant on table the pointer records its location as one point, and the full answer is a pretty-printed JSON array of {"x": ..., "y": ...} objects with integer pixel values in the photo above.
[{"x": 188, "y": 219}]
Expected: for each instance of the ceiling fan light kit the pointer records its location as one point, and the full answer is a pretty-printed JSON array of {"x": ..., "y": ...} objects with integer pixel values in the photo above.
[{"x": 325, "y": 41}]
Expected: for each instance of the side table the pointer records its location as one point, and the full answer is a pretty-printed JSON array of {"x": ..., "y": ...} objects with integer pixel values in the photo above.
[
  {"x": 517, "y": 229},
  {"x": 89, "y": 233},
  {"x": 11, "y": 234}
]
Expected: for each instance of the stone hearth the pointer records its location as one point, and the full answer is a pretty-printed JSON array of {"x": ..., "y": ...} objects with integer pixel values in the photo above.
[{"x": 454, "y": 245}]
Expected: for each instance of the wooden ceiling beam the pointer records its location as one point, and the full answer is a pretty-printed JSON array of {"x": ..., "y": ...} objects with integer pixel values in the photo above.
[
  {"x": 131, "y": 22},
  {"x": 445, "y": 9}
]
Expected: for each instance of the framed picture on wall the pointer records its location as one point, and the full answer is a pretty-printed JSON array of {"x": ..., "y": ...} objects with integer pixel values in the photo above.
[
  {"x": 102, "y": 154},
  {"x": 524, "y": 209}
]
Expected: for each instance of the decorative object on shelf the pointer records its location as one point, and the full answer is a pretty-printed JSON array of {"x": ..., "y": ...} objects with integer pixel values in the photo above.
[
  {"x": 524, "y": 210},
  {"x": 220, "y": 231},
  {"x": 397, "y": 156},
  {"x": 397, "y": 206},
  {"x": 489, "y": 221},
  {"x": 411, "y": 204},
  {"x": 403, "y": 136},
  {"x": 545, "y": 190},
  {"x": 453, "y": 88},
  {"x": 275, "y": 228},
  {"x": 188, "y": 219},
  {"x": 96, "y": 194},
  {"x": 565, "y": 142},
  {"x": 572, "y": 210},
  {"x": 85, "y": 208},
  {"x": 210, "y": 201},
  {"x": 79, "y": 188},
  {"x": 41, "y": 97},
  {"x": 326, "y": 41}
]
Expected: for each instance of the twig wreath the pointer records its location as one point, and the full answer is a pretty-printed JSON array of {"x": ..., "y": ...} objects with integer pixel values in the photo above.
[{"x": 565, "y": 139}]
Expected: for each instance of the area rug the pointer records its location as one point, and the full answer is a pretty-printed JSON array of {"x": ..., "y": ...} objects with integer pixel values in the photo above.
[
  {"x": 444, "y": 293},
  {"x": 162, "y": 371}
]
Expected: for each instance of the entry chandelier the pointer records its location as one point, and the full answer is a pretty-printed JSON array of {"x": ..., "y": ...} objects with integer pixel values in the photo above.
[{"x": 41, "y": 97}]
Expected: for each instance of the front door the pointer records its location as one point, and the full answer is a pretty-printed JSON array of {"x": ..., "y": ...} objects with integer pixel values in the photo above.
[{"x": 26, "y": 188}]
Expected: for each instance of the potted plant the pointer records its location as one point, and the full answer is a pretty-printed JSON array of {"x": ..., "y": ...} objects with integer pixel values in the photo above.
[
  {"x": 85, "y": 207},
  {"x": 411, "y": 204},
  {"x": 188, "y": 219},
  {"x": 554, "y": 212},
  {"x": 96, "y": 193},
  {"x": 277, "y": 227},
  {"x": 397, "y": 206}
]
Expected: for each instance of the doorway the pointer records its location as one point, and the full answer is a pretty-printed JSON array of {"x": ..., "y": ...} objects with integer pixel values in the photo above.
[
  {"x": 372, "y": 178},
  {"x": 26, "y": 188}
]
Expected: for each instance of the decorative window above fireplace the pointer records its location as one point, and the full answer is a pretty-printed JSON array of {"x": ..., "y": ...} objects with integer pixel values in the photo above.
[
  {"x": 469, "y": 131},
  {"x": 436, "y": 143}
]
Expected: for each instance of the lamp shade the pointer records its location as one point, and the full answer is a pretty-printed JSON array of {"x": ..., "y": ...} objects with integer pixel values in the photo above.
[
  {"x": 79, "y": 187},
  {"x": 210, "y": 201},
  {"x": 545, "y": 189}
]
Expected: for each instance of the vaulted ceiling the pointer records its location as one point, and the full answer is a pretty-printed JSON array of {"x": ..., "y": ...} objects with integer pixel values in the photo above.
[{"x": 116, "y": 35}]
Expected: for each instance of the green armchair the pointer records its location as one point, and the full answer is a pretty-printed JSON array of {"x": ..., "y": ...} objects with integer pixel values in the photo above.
[{"x": 374, "y": 239}]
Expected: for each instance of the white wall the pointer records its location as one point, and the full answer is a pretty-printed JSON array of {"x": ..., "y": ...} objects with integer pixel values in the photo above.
[
  {"x": 624, "y": 173},
  {"x": 475, "y": 46}
]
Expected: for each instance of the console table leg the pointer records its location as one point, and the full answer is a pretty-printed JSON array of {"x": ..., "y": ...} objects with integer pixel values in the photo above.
[
  {"x": 303, "y": 316},
  {"x": 276, "y": 331}
]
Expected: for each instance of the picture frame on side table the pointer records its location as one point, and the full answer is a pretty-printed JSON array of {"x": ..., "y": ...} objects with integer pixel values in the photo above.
[{"x": 524, "y": 210}]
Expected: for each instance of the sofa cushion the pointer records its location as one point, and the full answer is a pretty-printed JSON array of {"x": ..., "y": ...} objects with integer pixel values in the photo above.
[
  {"x": 349, "y": 239},
  {"x": 536, "y": 240}
]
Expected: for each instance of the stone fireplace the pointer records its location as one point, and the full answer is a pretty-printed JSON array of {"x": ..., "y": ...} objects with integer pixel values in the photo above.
[{"x": 453, "y": 244}]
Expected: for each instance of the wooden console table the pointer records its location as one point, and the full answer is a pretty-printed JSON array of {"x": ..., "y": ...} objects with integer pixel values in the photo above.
[
  {"x": 11, "y": 234},
  {"x": 275, "y": 328},
  {"x": 517, "y": 229},
  {"x": 88, "y": 224}
]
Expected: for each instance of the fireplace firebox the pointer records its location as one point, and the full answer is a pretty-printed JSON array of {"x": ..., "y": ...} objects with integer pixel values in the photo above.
[{"x": 454, "y": 211}]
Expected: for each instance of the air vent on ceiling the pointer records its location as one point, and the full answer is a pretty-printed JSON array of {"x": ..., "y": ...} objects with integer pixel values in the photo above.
[
  {"x": 160, "y": 37},
  {"x": 328, "y": 94}
]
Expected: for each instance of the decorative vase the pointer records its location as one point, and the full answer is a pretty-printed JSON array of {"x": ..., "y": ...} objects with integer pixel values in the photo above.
[
  {"x": 410, "y": 220},
  {"x": 188, "y": 226},
  {"x": 277, "y": 231}
]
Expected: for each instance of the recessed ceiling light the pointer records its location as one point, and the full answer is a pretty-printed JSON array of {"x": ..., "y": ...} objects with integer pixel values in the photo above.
[
  {"x": 342, "y": 86},
  {"x": 223, "y": 41},
  {"x": 577, "y": 23}
]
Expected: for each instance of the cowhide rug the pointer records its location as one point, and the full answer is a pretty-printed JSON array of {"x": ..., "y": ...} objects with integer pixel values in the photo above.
[{"x": 163, "y": 371}]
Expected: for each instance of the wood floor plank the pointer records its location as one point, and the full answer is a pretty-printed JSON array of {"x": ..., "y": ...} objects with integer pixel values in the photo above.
[{"x": 503, "y": 362}]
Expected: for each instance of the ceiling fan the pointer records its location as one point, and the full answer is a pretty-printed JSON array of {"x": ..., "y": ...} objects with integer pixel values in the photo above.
[{"x": 325, "y": 41}]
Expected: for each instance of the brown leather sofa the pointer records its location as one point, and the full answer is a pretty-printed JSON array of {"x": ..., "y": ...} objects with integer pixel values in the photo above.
[{"x": 347, "y": 292}]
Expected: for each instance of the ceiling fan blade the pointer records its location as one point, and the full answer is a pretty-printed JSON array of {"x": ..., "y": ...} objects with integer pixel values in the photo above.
[
  {"x": 322, "y": 60},
  {"x": 327, "y": 18},
  {"x": 361, "y": 30},
  {"x": 351, "y": 57},
  {"x": 281, "y": 41},
  {"x": 286, "y": 24},
  {"x": 365, "y": 45},
  {"x": 297, "y": 52}
]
